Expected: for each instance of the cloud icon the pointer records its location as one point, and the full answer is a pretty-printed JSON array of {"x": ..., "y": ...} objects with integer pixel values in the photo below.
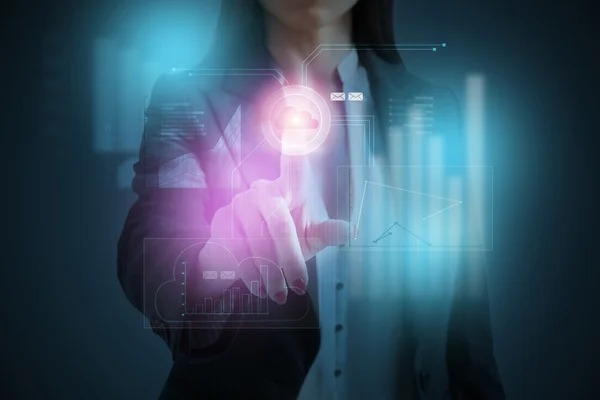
[
  {"x": 291, "y": 118},
  {"x": 181, "y": 296}
]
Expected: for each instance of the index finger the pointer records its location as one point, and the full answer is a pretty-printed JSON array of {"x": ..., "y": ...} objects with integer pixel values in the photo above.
[{"x": 294, "y": 169}]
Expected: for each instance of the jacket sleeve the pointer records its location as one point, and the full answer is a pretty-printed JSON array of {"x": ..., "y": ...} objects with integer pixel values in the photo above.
[
  {"x": 472, "y": 369},
  {"x": 470, "y": 352},
  {"x": 172, "y": 195}
]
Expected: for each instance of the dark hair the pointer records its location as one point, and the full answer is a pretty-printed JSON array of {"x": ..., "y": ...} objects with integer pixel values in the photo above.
[{"x": 241, "y": 28}]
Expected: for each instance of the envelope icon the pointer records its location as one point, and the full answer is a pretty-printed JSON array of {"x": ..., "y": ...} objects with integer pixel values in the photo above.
[
  {"x": 355, "y": 96},
  {"x": 227, "y": 274},
  {"x": 338, "y": 96},
  {"x": 209, "y": 274}
]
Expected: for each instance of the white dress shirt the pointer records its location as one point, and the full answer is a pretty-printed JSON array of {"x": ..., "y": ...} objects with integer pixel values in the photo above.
[{"x": 356, "y": 354}]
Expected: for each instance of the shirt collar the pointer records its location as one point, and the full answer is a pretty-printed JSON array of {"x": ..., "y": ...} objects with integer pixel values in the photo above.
[{"x": 348, "y": 67}]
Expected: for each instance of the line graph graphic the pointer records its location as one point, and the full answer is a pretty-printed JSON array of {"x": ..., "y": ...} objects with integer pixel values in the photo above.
[
  {"x": 388, "y": 232},
  {"x": 418, "y": 207},
  {"x": 431, "y": 215}
]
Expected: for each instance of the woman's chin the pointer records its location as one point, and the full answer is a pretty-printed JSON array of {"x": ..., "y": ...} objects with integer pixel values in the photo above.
[{"x": 309, "y": 19}]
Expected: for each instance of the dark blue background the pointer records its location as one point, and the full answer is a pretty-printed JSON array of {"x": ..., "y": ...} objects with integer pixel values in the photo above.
[{"x": 67, "y": 330}]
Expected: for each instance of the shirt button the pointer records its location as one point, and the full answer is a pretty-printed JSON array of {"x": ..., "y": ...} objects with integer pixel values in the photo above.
[
  {"x": 339, "y": 286},
  {"x": 337, "y": 372},
  {"x": 339, "y": 327}
]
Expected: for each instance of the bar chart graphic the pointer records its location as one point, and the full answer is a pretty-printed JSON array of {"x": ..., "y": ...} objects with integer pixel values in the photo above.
[
  {"x": 231, "y": 301},
  {"x": 176, "y": 292}
]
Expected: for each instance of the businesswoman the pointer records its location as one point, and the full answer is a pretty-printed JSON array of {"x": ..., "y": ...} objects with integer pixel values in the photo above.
[{"x": 207, "y": 171}]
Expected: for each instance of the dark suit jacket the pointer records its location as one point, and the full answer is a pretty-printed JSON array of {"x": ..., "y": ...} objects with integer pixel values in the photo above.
[{"x": 207, "y": 148}]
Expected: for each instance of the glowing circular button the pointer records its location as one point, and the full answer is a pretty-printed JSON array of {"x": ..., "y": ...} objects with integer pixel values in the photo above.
[{"x": 295, "y": 120}]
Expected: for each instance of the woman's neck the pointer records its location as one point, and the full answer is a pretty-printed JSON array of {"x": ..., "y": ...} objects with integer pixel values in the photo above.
[{"x": 290, "y": 47}]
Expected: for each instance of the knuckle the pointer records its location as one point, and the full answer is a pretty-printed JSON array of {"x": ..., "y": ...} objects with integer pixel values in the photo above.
[
  {"x": 260, "y": 184},
  {"x": 314, "y": 244},
  {"x": 221, "y": 214},
  {"x": 281, "y": 227},
  {"x": 242, "y": 200}
]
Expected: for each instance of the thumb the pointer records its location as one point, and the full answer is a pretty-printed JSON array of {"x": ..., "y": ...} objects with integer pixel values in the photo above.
[{"x": 332, "y": 232}]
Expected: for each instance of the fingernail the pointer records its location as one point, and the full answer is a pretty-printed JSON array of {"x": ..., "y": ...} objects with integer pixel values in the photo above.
[
  {"x": 298, "y": 286},
  {"x": 280, "y": 297},
  {"x": 262, "y": 291}
]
